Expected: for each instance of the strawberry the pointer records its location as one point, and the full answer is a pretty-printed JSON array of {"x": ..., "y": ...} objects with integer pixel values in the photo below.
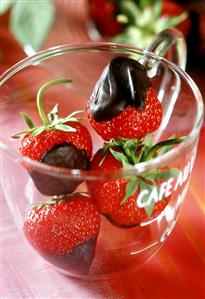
[
  {"x": 123, "y": 103},
  {"x": 137, "y": 22},
  {"x": 37, "y": 147},
  {"x": 58, "y": 142},
  {"x": 64, "y": 231},
  {"x": 116, "y": 198},
  {"x": 103, "y": 13},
  {"x": 142, "y": 21}
]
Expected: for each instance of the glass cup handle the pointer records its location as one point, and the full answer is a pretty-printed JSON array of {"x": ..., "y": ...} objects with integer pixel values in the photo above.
[
  {"x": 169, "y": 42},
  {"x": 173, "y": 39}
]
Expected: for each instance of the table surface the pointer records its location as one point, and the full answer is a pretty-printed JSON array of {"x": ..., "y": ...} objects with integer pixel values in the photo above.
[{"x": 176, "y": 271}]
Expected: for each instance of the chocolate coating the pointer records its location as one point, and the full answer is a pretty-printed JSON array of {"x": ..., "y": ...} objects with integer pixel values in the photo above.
[
  {"x": 67, "y": 156},
  {"x": 123, "y": 82},
  {"x": 63, "y": 155},
  {"x": 78, "y": 261}
]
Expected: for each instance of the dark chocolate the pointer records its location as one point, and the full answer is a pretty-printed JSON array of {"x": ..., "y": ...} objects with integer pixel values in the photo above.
[
  {"x": 78, "y": 261},
  {"x": 66, "y": 155},
  {"x": 63, "y": 155},
  {"x": 123, "y": 82}
]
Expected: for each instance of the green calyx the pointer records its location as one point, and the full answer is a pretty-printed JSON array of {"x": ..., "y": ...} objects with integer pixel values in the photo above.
[
  {"x": 142, "y": 21},
  {"x": 132, "y": 151},
  {"x": 51, "y": 121},
  {"x": 128, "y": 147}
]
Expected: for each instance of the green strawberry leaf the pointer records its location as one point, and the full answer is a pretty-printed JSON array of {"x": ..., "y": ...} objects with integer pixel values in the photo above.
[
  {"x": 144, "y": 3},
  {"x": 130, "y": 144},
  {"x": 31, "y": 21},
  {"x": 162, "y": 144},
  {"x": 148, "y": 142},
  {"x": 130, "y": 148},
  {"x": 143, "y": 185},
  {"x": 164, "y": 150},
  {"x": 74, "y": 112},
  {"x": 143, "y": 153},
  {"x": 149, "y": 209},
  {"x": 156, "y": 8},
  {"x": 69, "y": 117},
  {"x": 38, "y": 130},
  {"x": 65, "y": 120},
  {"x": 120, "y": 157},
  {"x": 5, "y": 5},
  {"x": 174, "y": 21},
  {"x": 53, "y": 114},
  {"x": 164, "y": 174},
  {"x": 130, "y": 9},
  {"x": 18, "y": 135},
  {"x": 27, "y": 120},
  {"x": 115, "y": 142},
  {"x": 131, "y": 188},
  {"x": 167, "y": 148},
  {"x": 65, "y": 128}
]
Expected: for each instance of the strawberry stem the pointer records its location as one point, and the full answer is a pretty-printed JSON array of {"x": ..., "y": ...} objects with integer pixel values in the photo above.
[{"x": 40, "y": 95}]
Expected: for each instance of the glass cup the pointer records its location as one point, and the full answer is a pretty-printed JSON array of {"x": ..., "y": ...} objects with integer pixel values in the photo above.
[{"x": 116, "y": 247}]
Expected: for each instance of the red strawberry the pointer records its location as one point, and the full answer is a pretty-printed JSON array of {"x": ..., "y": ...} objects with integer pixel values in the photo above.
[
  {"x": 58, "y": 142},
  {"x": 35, "y": 146},
  {"x": 103, "y": 13},
  {"x": 123, "y": 104},
  {"x": 109, "y": 194},
  {"x": 132, "y": 122},
  {"x": 64, "y": 231},
  {"x": 143, "y": 20},
  {"x": 117, "y": 198}
]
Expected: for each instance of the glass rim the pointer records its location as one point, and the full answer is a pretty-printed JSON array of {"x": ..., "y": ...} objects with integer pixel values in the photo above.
[{"x": 139, "y": 168}]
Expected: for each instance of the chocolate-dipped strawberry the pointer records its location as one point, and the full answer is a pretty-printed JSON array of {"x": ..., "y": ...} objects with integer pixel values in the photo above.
[
  {"x": 60, "y": 142},
  {"x": 123, "y": 103},
  {"x": 64, "y": 231}
]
